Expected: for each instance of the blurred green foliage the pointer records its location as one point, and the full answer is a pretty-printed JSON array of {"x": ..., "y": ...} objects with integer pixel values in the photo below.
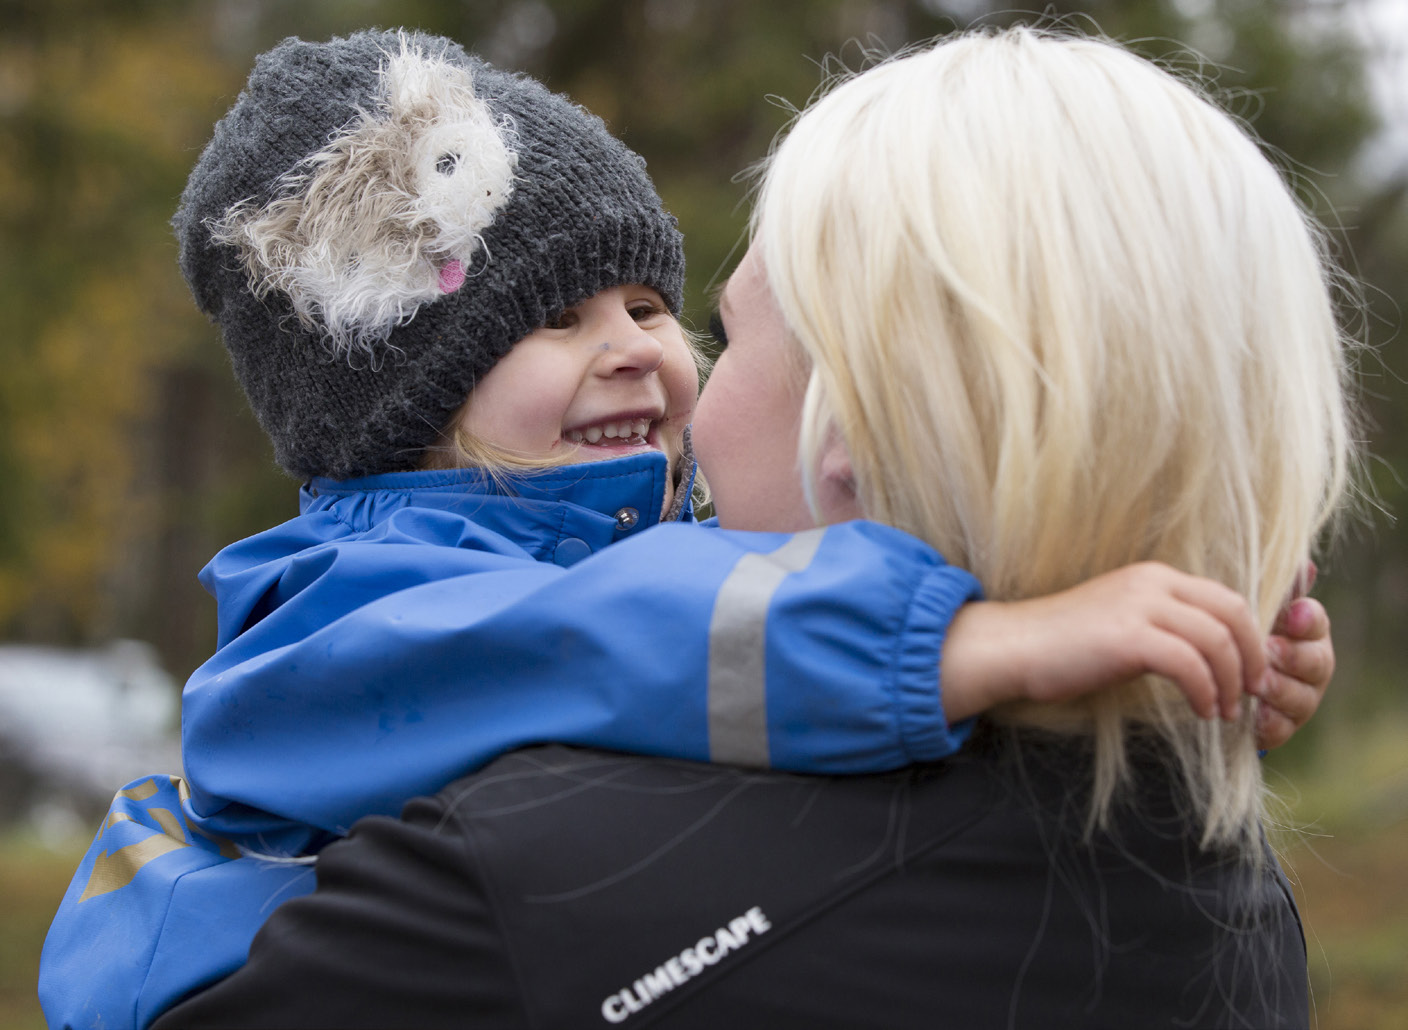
[{"x": 127, "y": 453}]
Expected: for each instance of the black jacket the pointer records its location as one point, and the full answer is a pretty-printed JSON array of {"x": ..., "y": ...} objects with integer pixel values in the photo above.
[{"x": 569, "y": 888}]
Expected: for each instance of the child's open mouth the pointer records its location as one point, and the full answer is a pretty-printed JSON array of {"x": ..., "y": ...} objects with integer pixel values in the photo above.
[{"x": 625, "y": 433}]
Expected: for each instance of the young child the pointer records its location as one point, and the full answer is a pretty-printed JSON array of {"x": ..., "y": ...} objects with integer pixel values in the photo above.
[{"x": 383, "y": 227}]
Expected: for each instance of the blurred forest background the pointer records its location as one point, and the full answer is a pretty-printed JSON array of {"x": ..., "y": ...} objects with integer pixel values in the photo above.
[{"x": 128, "y": 456}]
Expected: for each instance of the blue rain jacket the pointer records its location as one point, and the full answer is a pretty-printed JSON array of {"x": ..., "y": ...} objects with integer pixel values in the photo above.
[{"x": 405, "y": 629}]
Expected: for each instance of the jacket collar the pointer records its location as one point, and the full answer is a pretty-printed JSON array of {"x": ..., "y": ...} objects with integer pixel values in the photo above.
[
  {"x": 603, "y": 486},
  {"x": 561, "y": 514}
]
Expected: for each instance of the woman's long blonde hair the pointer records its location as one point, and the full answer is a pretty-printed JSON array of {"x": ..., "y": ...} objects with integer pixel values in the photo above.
[{"x": 1066, "y": 316}]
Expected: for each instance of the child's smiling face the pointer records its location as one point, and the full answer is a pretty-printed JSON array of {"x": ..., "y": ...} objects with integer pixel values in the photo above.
[{"x": 613, "y": 376}]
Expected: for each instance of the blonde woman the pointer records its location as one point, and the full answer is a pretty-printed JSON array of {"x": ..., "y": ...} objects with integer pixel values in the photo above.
[
  {"x": 1039, "y": 303},
  {"x": 1058, "y": 313}
]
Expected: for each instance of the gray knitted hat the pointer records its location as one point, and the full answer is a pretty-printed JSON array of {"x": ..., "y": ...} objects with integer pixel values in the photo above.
[{"x": 378, "y": 219}]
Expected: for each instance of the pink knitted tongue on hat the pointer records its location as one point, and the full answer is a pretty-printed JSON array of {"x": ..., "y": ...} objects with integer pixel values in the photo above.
[{"x": 451, "y": 277}]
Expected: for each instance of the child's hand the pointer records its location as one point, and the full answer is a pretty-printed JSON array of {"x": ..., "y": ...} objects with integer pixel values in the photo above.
[
  {"x": 1144, "y": 618},
  {"x": 1302, "y": 662}
]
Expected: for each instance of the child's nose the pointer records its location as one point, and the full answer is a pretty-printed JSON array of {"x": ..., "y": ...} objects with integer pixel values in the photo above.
[{"x": 628, "y": 350}]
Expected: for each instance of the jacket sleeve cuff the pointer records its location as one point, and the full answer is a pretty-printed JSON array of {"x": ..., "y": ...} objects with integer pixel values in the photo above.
[{"x": 925, "y": 733}]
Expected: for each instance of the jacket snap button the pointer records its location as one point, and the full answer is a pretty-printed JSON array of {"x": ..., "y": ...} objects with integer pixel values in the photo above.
[
  {"x": 627, "y": 518},
  {"x": 571, "y": 551}
]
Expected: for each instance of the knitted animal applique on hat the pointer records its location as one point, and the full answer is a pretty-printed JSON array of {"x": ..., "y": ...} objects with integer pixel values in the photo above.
[{"x": 378, "y": 219}]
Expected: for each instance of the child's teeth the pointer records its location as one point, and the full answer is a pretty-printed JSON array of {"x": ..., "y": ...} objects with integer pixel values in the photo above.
[{"x": 636, "y": 429}]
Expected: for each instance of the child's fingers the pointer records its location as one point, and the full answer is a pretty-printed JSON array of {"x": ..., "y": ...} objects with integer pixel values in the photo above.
[
  {"x": 1272, "y": 728},
  {"x": 1171, "y": 655},
  {"x": 1216, "y": 643},
  {"x": 1304, "y": 619},
  {"x": 1310, "y": 661},
  {"x": 1291, "y": 698},
  {"x": 1231, "y": 609}
]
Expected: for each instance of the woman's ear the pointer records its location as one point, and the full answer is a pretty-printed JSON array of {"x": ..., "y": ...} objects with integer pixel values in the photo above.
[
  {"x": 836, "y": 462},
  {"x": 836, "y": 482}
]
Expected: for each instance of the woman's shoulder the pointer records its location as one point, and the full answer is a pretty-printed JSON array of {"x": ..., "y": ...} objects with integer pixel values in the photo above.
[{"x": 971, "y": 882}]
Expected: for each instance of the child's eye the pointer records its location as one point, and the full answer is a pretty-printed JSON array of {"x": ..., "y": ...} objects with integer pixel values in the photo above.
[
  {"x": 645, "y": 310},
  {"x": 716, "y": 330},
  {"x": 565, "y": 320}
]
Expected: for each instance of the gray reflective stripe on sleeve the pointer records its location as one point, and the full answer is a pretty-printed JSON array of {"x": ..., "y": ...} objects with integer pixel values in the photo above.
[{"x": 738, "y": 712}]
